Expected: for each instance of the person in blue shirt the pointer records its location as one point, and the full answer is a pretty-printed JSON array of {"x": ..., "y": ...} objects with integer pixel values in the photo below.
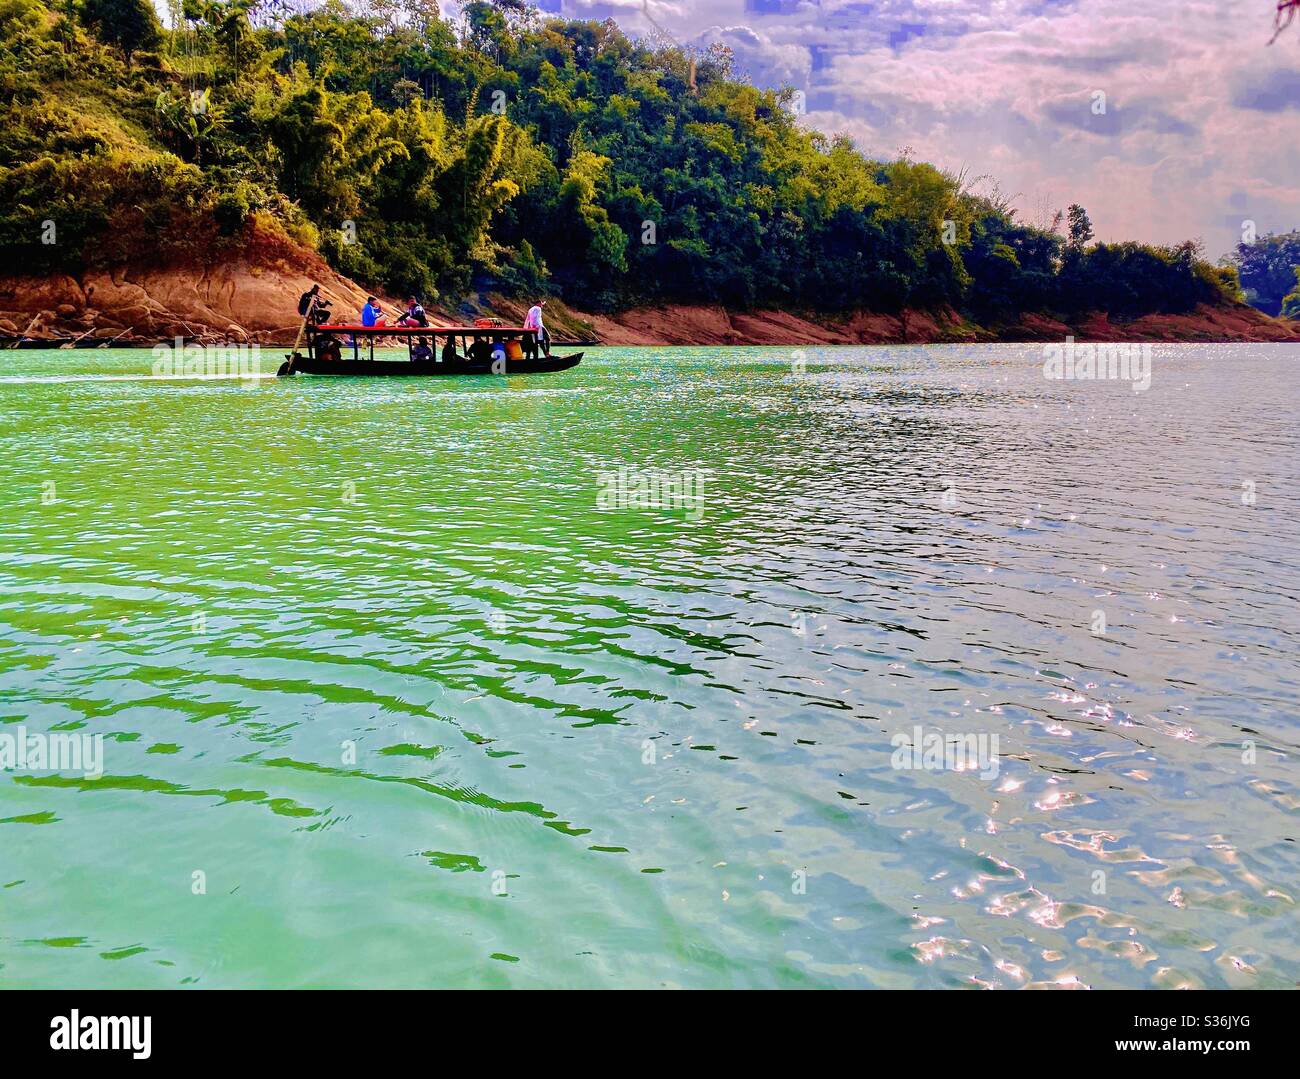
[{"x": 372, "y": 314}]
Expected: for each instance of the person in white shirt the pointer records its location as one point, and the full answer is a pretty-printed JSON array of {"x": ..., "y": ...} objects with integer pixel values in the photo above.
[{"x": 534, "y": 322}]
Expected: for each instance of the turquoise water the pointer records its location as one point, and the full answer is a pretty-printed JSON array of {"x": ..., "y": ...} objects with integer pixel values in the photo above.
[{"x": 394, "y": 693}]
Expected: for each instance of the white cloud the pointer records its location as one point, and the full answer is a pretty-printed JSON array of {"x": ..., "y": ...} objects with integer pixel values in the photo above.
[
  {"x": 759, "y": 58},
  {"x": 1202, "y": 121}
]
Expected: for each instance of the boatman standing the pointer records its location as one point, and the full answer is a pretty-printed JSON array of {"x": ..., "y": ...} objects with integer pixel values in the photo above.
[
  {"x": 307, "y": 301},
  {"x": 540, "y": 336}
]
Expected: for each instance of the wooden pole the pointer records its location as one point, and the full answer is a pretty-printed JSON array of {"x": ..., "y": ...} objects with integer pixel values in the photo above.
[
  {"x": 301, "y": 329},
  {"x": 79, "y": 337}
]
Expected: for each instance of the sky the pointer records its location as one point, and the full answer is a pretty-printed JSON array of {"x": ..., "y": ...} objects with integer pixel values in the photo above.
[{"x": 1197, "y": 134}]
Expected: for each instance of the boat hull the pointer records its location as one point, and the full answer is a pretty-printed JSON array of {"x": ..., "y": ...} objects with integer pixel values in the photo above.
[{"x": 308, "y": 365}]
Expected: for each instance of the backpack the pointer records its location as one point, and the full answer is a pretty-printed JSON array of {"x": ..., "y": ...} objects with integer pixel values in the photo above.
[{"x": 304, "y": 303}]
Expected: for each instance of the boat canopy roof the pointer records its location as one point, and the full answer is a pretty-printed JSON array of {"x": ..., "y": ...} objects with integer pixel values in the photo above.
[{"x": 420, "y": 331}]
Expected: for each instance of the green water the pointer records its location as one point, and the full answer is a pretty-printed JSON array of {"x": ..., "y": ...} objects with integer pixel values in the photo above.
[{"x": 390, "y": 698}]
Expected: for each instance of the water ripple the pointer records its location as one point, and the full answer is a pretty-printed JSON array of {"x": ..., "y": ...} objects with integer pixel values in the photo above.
[{"x": 387, "y": 698}]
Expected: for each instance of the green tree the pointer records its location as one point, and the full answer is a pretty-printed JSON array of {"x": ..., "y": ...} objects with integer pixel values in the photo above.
[
  {"x": 325, "y": 148},
  {"x": 1080, "y": 228},
  {"x": 1267, "y": 269},
  {"x": 605, "y": 241},
  {"x": 231, "y": 23},
  {"x": 131, "y": 25},
  {"x": 1291, "y": 302}
]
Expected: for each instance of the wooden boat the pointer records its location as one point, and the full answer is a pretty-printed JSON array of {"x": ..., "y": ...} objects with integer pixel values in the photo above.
[
  {"x": 36, "y": 342},
  {"x": 328, "y": 347}
]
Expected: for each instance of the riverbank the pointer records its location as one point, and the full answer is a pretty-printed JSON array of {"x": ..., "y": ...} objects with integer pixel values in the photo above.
[
  {"x": 687, "y": 325},
  {"x": 254, "y": 299}
]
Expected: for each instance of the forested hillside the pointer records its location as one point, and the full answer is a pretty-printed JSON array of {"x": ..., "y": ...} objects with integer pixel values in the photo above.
[{"x": 519, "y": 153}]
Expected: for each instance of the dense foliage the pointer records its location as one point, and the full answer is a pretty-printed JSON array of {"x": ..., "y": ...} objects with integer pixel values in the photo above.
[
  {"x": 1267, "y": 269},
  {"x": 1291, "y": 301},
  {"x": 516, "y": 152}
]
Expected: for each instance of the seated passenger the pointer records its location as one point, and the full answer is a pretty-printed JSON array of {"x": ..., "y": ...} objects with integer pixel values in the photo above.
[{"x": 414, "y": 314}]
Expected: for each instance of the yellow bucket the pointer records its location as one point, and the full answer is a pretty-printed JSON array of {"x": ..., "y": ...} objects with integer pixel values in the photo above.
[{"x": 514, "y": 351}]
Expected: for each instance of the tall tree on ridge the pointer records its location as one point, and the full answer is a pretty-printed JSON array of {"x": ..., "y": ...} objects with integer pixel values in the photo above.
[
  {"x": 1080, "y": 227},
  {"x": 128, "y": 24}
]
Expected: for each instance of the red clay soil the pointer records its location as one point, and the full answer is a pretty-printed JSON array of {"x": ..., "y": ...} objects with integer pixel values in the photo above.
[
  {"x": 255, "y": 298},
  {"x": 696, "y": 325},
  {"x": 252, "y": 298}
]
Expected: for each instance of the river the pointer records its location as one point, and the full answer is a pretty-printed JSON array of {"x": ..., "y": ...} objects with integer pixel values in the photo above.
[{"x": 608, "y": 677}]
